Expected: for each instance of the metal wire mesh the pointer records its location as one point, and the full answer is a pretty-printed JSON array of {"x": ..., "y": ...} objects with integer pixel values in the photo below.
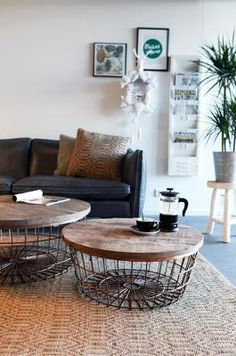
[
  {"x": 132, "y": 285},
  {"x": 32, "y": 254}
]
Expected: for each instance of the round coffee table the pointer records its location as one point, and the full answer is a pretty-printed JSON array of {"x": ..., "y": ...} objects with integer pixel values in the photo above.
[
  {"x": 31, "y": 247},
  {"x": 119, "y": 268}
]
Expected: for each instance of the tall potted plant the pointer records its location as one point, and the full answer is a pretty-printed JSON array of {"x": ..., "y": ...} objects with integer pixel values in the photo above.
[{"x": 220, "y": 66}]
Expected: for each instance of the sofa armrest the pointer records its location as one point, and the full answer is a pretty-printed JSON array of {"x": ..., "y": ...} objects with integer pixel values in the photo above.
[{"x": 134, "y": 174}]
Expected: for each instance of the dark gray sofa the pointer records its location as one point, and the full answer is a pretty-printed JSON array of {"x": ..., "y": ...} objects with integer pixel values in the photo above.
[{"x": 28, "y": 164}]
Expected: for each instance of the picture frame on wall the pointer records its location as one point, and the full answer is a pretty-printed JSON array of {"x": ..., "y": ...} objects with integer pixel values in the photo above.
[
  {"x": 109, "y": 59},
  {"x": 153, "y": 46}
]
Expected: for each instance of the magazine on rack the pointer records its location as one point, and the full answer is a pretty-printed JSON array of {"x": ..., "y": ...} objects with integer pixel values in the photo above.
[
  {"x": 36, "y": 197},
  {"x": 188, "y": 79},
  {"x": 185, "y": 94},
  {"x": 187, "y": 136},
  {"x": 187, "y": 109}
]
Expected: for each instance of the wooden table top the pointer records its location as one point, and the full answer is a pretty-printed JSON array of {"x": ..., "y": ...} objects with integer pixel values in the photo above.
[
  {"x": 113, "y": 238},
  {"x": 17, "y": 215}
]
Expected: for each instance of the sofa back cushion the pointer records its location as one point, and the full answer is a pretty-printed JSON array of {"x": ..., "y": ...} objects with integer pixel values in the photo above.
[
  {"x": 43, "y": 157},
  {"x": 97, "y": 155},
  {"x": 66, "y": 146},
  {"x": 14, "y": 157}
]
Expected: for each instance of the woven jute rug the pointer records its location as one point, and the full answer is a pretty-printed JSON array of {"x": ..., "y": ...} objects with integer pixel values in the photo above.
[{"x": 50, "y": 318}]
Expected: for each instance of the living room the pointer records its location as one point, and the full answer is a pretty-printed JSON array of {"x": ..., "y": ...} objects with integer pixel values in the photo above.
[{"x": 47, "y": 88}]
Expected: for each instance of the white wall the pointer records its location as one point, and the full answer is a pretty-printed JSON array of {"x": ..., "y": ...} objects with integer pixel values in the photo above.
[{"x": 46, "y": 83}]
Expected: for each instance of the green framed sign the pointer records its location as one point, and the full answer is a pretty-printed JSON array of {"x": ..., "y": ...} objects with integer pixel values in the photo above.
[{"x": 153, "y": 46}]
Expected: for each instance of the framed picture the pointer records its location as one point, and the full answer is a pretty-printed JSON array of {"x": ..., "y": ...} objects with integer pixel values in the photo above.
[
  {"x": 109, "y": 59},
  {"x": 152, "y": 43}
]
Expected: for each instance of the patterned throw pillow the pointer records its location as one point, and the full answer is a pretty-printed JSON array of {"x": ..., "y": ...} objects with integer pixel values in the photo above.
[
  {"x": 97, "y": 156},
  {"x": 66, "y": 146}
]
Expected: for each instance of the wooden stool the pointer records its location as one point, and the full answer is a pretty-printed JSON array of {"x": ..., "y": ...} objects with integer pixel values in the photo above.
[{"x": 226, "y": 220}]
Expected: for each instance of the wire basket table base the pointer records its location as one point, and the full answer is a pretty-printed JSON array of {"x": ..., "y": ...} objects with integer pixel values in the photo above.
[
  {"x": 132, "y": 285},
  {"x": 30, "y": 255}
]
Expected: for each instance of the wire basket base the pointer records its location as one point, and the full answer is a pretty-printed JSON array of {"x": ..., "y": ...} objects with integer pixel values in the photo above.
[
  {"x": 124, "y": 288},
  {"x": 31, "y": 255},
  {"x": 30, "y": 264},
  {"x": 132, "y": 285}
]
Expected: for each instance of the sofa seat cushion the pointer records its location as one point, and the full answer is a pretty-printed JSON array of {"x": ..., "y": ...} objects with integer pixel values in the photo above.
[
  {"x": 74, "y": 187},
  {"x": 6, "y": 184}
]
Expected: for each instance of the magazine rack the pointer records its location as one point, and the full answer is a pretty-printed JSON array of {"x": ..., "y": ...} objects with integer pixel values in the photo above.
[{"x": 184, "y": 116}]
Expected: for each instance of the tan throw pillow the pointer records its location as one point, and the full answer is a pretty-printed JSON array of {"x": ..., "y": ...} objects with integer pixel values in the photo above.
[
  {"x": 97, "y": 156},
  {"x": 66, "y": 146}
]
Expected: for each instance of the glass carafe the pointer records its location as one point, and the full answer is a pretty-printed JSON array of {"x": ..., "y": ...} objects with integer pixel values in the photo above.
[{"x": 169, "y": 209}]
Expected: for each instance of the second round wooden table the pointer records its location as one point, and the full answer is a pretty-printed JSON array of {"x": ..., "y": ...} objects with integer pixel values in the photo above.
[{"x": 118, "y": 268}]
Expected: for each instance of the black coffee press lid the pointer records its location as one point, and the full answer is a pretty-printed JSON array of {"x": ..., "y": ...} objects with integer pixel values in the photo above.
[{"x": 169, "y": 192}]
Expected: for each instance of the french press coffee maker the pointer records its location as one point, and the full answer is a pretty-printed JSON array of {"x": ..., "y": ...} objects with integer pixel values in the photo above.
[{"x": 169, "y": 206}]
